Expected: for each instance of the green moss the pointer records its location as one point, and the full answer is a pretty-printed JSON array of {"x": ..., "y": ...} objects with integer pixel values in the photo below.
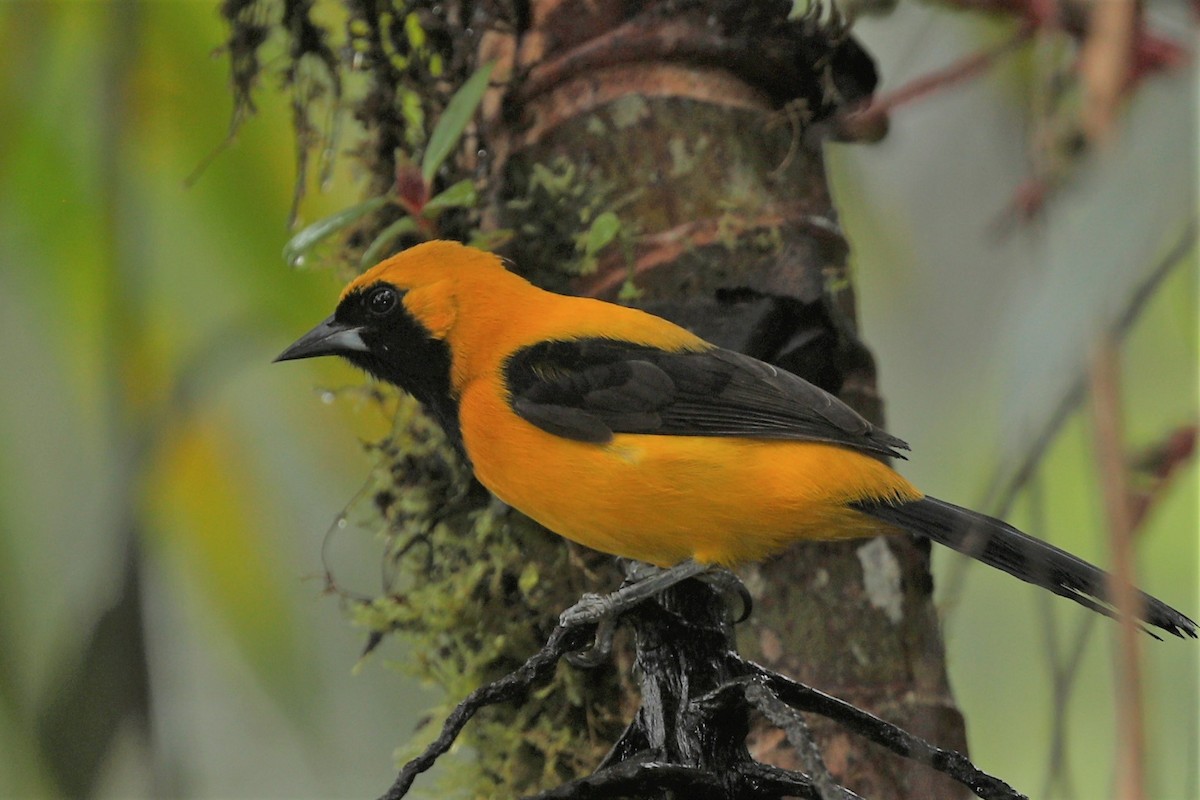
[
  {"x": 564, "y": 217},
  {"x": 685, "y": 160},
  {"x": 376, "y": 108},
  {"x": 466, "y": 593},
  {"x": 466, "y": 580},
  {"x": 628, "y": 110}
]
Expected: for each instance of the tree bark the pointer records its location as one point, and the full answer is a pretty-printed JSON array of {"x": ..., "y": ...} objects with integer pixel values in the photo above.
[{"x": 700, "y": 126}]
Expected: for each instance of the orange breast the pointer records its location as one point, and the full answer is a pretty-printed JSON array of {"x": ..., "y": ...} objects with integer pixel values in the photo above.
[{"x": 664, "y": 499}]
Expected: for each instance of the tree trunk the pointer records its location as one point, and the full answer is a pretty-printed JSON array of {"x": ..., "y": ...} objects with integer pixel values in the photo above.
[
  {"x": 701, "y": 130},
  {"x": 669, "y": 154}
]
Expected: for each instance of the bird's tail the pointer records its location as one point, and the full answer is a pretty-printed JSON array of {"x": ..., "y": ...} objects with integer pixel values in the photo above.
[{"x": 1002, "y": 546}]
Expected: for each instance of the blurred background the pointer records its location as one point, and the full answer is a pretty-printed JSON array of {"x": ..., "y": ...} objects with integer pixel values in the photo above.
[{"x": 165, "y": 491}]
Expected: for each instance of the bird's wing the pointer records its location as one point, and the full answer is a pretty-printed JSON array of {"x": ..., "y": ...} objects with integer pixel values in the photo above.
[{"x": 590, "y": 389}]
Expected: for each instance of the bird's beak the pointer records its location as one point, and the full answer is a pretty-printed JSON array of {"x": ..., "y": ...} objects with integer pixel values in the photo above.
[{"x": 330, "y": 338}]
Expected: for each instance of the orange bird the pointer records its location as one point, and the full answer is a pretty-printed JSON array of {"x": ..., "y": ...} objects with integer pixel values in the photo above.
[{"x": 629, "y": 434}]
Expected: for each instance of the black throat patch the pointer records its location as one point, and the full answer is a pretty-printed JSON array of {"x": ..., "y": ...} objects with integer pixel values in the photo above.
[{"x": 404, "y": 353}]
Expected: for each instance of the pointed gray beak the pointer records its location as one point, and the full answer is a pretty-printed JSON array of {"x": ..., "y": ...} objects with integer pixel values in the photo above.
[{"x": 330, "y": 338}]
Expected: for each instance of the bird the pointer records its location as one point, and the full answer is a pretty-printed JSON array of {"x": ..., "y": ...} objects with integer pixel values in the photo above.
[{"x": 631, "y": 435}]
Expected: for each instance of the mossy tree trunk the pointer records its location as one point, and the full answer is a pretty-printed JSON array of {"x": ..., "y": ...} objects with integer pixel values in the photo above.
[
  {"x": 666, "y": 154},
  {"x": 701, "y": 130}
]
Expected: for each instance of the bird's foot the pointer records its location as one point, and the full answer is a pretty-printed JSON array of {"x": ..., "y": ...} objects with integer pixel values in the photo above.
[
  {"x": 642, "y": 582},
  {"x": 731, "y": 587},
  {"x": 598, "y": 609}
]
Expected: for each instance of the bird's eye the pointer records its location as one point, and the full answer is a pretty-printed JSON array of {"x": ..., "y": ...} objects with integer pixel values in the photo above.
[{"x": 381, "y": 301}]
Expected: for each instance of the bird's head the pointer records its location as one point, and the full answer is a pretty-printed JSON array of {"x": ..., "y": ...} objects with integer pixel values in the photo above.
[{"x": 394, "y": 319}]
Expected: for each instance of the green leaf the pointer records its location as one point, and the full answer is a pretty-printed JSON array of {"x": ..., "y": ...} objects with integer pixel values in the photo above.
[
  {"x": 386, "y": 236},
  {"x": 299, "y": 245},
  {"x": 603, "y": 230},
  {"x": 461, "y": 194},
  {"x": 629, "y": 291},
  {"x": 490, "y": 240},
  {"x": 453, "y": 121}
]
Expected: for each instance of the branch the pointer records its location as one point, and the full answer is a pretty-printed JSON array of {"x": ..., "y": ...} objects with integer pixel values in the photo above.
[
  {"x": 635, "y": 779},
  {"x": 688, "y": 737},
  {"x": 631, "y": 779},
  {"x": 899, "y": 741},
  {"x": 1110, "y": 456},
  {"x": 790, "y": 721},
  {"x": 512, "y": 686}
]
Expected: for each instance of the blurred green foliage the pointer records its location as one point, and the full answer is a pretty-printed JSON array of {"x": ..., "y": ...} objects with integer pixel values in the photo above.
[
  {"x": 980, "y": 326},
  {"x": 148, "y": 441}
]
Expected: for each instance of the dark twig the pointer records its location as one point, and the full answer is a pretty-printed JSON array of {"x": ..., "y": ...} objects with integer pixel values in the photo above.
[
  {"x": 689, "y": 735},
  {"x": 791, "y": 722},
  {"x": 958, "y": 72},
  {"x": 854, "y": 719},
  {"x": 631, "y": 779},
  {"x": 510, "y": 687},
  {"x": 751, "y": 782},
  {"x": 773, "y": 781}
]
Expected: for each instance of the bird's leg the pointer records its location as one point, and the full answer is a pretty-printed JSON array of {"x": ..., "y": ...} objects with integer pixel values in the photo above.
[
  {"x": 594, "y": 608},
  {"x": 642, "y": 582}
]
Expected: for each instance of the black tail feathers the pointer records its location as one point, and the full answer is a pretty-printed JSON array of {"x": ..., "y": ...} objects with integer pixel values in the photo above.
[{"x": 1002, "y": 546}]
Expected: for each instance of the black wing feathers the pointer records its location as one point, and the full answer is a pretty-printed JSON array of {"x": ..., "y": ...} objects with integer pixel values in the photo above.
[
  {"x": 564, "y": 396},
  {"x": 590, "y": 389}
]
